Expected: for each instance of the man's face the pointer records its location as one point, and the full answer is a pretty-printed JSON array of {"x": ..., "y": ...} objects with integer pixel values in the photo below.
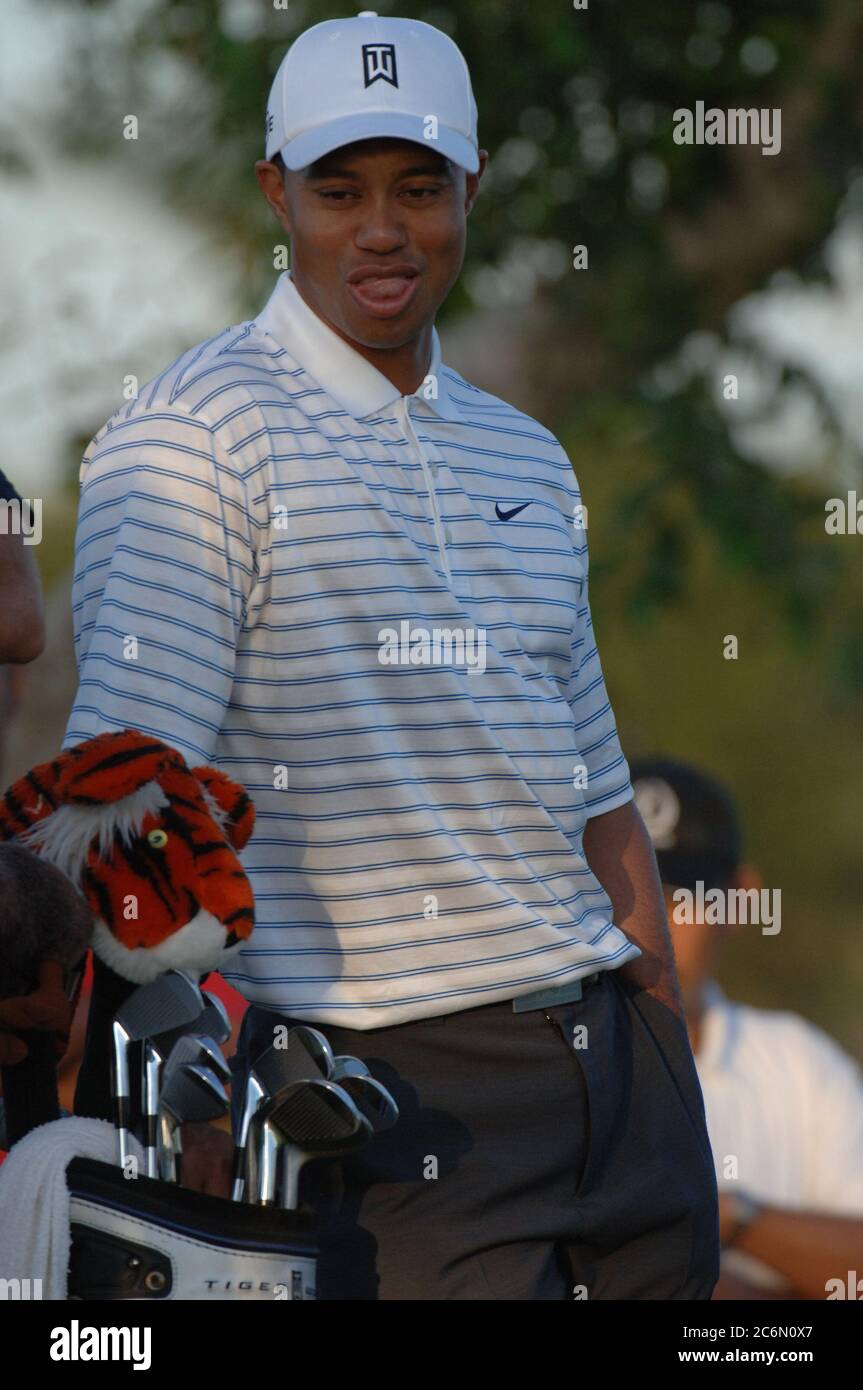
[
  {"x": 696, "y": 946},
  {"x": 377, "y": 235}
]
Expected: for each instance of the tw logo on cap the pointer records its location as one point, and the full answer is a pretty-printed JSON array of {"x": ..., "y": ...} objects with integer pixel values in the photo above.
[{"x": 379, "y": 63}]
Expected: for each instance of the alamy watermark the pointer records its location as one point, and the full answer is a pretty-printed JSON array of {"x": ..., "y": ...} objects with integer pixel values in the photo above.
[
  {"x": 844, "y": 515},
  {"x": 20, "y": 1289},
  {"x": 22, "y": 518},
  {"x": 729, "y": 907},
  {"x": 77, "y": 1343},
  {"x": 414, "y": 645},
  {"x": 737, "y": 126}
]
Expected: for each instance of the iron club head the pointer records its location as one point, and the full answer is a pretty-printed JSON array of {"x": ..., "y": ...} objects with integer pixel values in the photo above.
[
  {"x": 191, "y": 1094},
  {"x": 306, "y": 1057},
  {"x": 167, "y": 1002},
  {"x": 309, "y": 1112},
  {"x": 372, "y": 1100},
  {"x": 317, "y": 1118},
  {"x": 347, "y": 1066}
]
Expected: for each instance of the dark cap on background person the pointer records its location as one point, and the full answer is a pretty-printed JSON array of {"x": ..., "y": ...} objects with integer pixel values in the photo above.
[{"x": 692, "y": 821}]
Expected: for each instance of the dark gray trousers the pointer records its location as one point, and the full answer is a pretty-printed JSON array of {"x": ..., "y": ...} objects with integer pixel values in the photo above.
[{"x": 522, "y": 1167}]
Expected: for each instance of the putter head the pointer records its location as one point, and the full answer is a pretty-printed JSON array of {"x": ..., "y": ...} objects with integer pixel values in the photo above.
[{"x": 372, "y": 1100}]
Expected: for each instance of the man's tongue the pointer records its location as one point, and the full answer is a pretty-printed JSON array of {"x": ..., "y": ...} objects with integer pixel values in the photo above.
[{"x": 384, "y": 287}]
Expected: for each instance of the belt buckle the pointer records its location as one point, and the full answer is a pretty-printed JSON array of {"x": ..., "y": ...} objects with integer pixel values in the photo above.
[{"x": 547, "y": 998}]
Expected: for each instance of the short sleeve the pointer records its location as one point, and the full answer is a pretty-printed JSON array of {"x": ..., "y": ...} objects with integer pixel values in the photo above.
[
  {"x": 833, "y": 1129},
  {"x": 608, "y": 781},
  {"x": 164, "y": 566}
]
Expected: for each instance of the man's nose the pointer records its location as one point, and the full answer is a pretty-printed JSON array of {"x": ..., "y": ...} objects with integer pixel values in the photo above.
[{"x": 381, "y": 228}]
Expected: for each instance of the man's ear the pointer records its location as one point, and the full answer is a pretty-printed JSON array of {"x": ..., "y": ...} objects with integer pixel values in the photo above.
[
  {"x": 272, "y": 186},
  {"x": 746, "y": 876},
  {"x": 471, "y": 182}
]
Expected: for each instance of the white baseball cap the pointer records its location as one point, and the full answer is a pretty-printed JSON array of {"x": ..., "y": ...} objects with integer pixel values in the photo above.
[{"x": 353, "y": 79}]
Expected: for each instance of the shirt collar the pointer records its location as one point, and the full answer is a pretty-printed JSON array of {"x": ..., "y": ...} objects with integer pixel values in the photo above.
[
  {"x": 719, "y": 1026},
  {"x": 343, "y": 372}
]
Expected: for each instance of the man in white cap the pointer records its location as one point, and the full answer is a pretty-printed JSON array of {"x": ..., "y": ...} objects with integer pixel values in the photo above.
[{"x": 359, "y": 584}]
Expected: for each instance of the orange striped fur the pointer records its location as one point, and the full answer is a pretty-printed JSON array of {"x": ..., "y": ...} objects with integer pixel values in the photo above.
[{"x": 151, "y": 844}]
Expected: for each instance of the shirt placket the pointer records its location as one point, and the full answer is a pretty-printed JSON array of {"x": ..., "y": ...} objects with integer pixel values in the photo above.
[{"x": 430, "y": 471}]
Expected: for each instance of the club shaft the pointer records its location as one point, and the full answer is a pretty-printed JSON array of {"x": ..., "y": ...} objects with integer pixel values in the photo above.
[
  {"x": 150, "y": 1094},
  {"x": 120, "y": 1092},
  {"x": 167, "y": 1157},
  {"x": 268, "y": 1165},
  {"x": 292, "y": 1162}
]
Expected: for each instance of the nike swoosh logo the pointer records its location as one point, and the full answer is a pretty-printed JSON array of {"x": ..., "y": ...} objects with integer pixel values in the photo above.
[{"x": 514, "y": 511}]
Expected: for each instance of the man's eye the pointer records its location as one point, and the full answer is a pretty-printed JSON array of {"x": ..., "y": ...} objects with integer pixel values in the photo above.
[
  {"x": 337, "y": 194},
  {"x": 421, "y": 191}
]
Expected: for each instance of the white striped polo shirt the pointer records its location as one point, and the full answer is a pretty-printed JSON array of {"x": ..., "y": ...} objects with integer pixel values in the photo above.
[{"x": 371, "y": 610}]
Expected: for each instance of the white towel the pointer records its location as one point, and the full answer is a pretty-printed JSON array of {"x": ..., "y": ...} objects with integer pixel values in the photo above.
[{"x": 34, "y": 1199}]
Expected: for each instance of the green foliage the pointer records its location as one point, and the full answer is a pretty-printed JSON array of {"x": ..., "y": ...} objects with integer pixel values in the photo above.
[
  {"x": 576, "y": 109},
  {"x": 689, "y": 539}
]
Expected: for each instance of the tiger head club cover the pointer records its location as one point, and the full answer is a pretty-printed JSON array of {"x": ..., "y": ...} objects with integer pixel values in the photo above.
[{"x": 150, "y": 843}]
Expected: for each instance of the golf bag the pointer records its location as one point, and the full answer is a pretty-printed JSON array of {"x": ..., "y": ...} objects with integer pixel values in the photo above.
[{"x": 144, "y": 1239}]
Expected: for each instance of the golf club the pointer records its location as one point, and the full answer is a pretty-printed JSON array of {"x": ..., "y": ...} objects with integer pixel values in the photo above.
[
  {"x": 266, "y": 1138},
  {"x": 348, "y": 1066},
  {"x": 307, "y": 1056},
  {"x": 372, "y": 1100},
  {"x": 243, "y": 1178},
  {"x": 215, "y": 1021},
  {"x": 199, "y": 1051},
  {"x": 378, "y": 1110},
  {"x": 169, "y": 1001},
  {"x": 211, "y": 1022},
  {"x": 160, "y": 1054},
  {"x": 317, "y": 1119},
  {"x": 191, "y": 1094},
  {"x": 266, "y": 1135},
  {"x": 316, "y": 1044}
]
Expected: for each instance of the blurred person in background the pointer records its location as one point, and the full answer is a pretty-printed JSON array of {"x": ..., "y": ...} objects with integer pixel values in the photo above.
[
  {"x": 22, "y": 619},
  {"x": 781, "y": 1097}
]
